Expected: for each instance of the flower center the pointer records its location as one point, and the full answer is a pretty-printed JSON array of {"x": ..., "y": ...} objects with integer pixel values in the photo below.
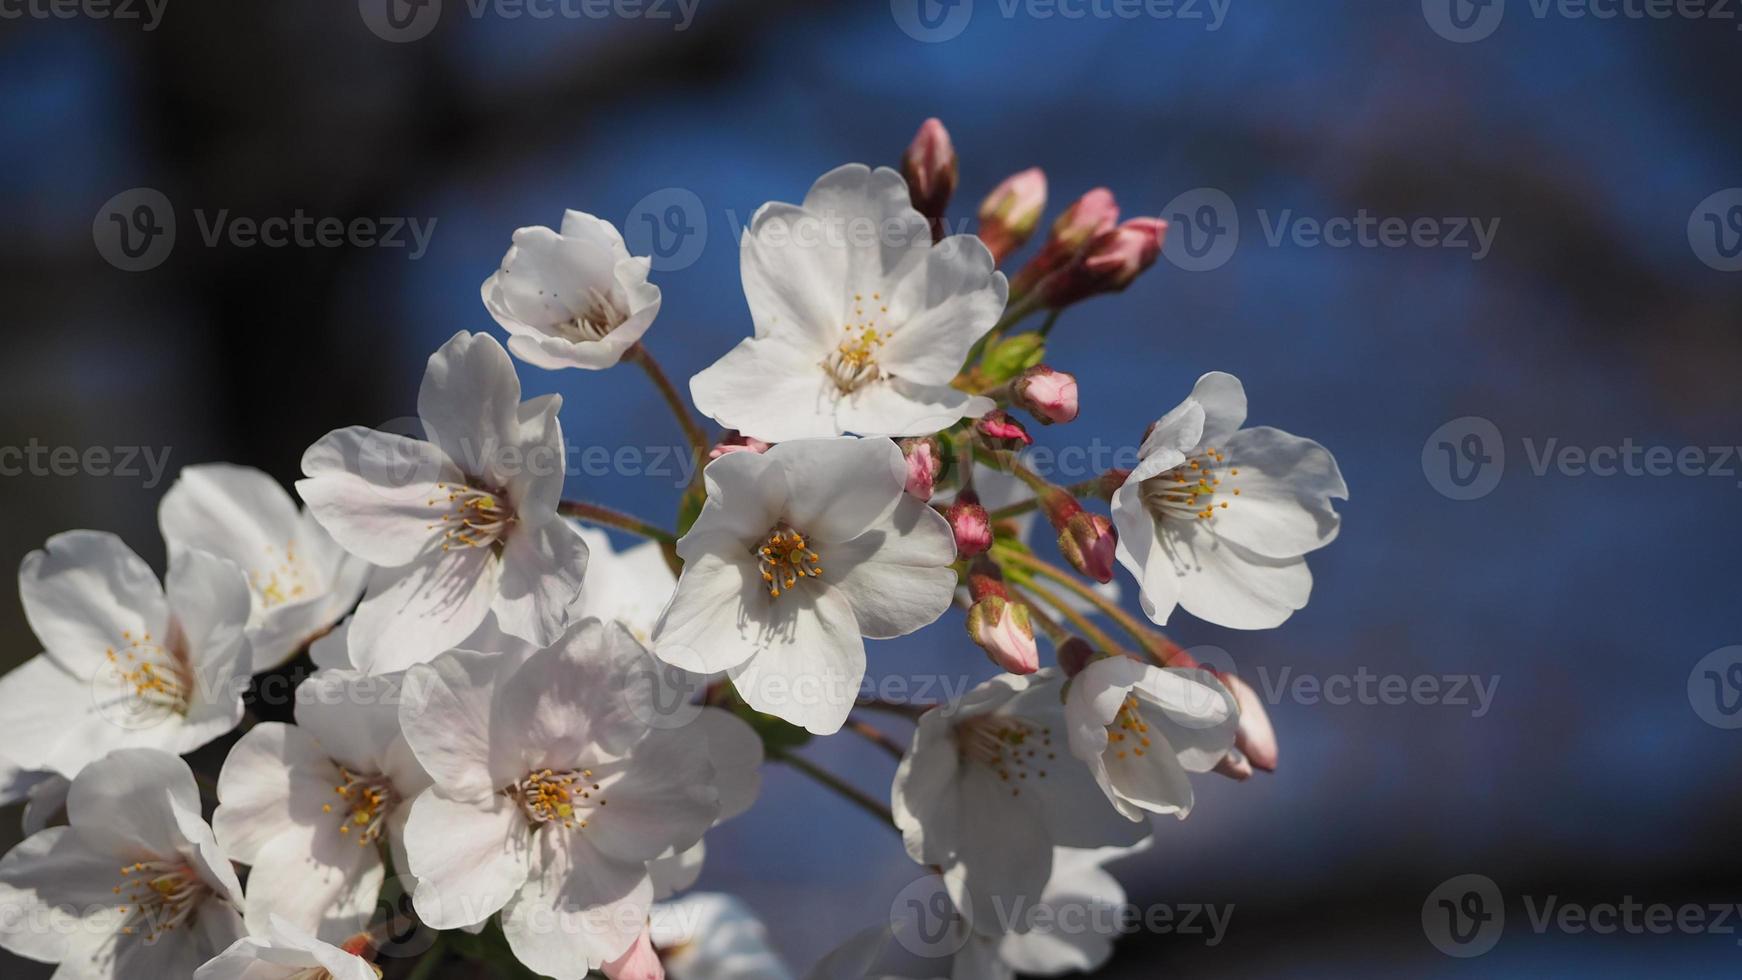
[
  {"x": 475, "y": 518},
  {"x": 1190, "y": 489},
  {"x": 853, "y": 364},
  {"x": 548, "y": 797},
  {"x": 596, "y": 319},
  {"x": 366, "y": 802},
  {"x": 1128, "y": 731},
  {"x": 284, "y": 580},
  {"x": 158, "y": 897},
  {"x": 1007, "y": 746},
  {"x": 785, "y": 559},
  {"x": 156, "y": 676}
]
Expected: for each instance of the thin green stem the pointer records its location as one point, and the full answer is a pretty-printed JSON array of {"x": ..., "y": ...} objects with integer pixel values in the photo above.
[
  {"x": 1058, "y": 634},
  {"x": 1159, "y": 648},
  {"x": 679, "y": 408},
  {"x": 848, "y": 791},
  {"x": 1094, "y": 634},
  {"x": 598, "y": 514}
]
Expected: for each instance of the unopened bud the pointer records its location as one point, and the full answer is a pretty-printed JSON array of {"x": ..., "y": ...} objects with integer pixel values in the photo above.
[
  {"x": 930, "y": 168},
  {"x": 1087, "y": 542},
  {"x": 1012, "y": 211},
  {"x": 1255, "y": 738},
  {"x": 1002, "y": 628},
  {"x": 638, "y": 962},
  {"x": 971, "y": 525},
  {"x": 1235, "y": 766},
  {"x": 1048, "y": 395},
  {"x": 1111, "y": 262},
  {"x": 1094, "y": 214},
  {"x": 1074, "y": 654},
  {"x": 923, "y": 466},
  {"x": 736, "y": 443},
  {"x": 999, "y": 426}
]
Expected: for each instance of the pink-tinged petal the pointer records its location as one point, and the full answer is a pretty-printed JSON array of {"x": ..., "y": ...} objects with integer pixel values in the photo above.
[
  {"x": 661, "y": 796},
  {"x": 87, "y": 593},
  {"x": 381, "y": 496},
  {"x": 274, "y": 783},
  {"x": 444, "y": 713},
  {"x": 542, "y": 570},
  {"x": 329, "y": 889},
  {"x": 579, "y": 910},
  {"x": 412, "y": 613},
  {"x": 470, "y": 859},
  {"x": 127, "y": 802},
  {"x": 583, "y": 700}
]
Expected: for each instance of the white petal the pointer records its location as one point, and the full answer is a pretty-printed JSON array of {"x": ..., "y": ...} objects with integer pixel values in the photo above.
[
  {"x": 950, "y": 301},
  {"x": 579, "y": 909},
  {"x": 469, "y": 858},
  {"x": 837, "y": 488},
  {"x": 84, "y": 592},
  {"x": 274, "y": 782},
  {"x": 675, "y": 872},
  {"x": 1005, "y": 855},
  {"x": 354, "y": 716},
  {"x": 422, "y": 609},
  {"x": 210, "y": 601},
  {"x": 1142, "y": 554},
  {"x": 747, "y": 494},
  {"x": 329, "y": 889},
  {"x": 470, "y": 402},
  {"x": 54, "y": 887},
  {"x": 1286, "y": 487},
  {"x": 711, "y": 623},
  {"x": 1224, "y": 400},
  {"x": 810, "y": 662},
  {"x": 897, "y": 408},
  {"x": 869, "y": 213},
  {"x": 126, "y": 802},
  {"x": 379, "y": 495},
  {"x": 542, "y": 570},
  {"x": 793, "y": 283},
  {"x": 924, "y": 797},
  {"x": 897, "y": 574},
  {"x": 577, "y": 702},
  {"x": 736, "y": 752},
  {"x": 234, "y": 512},
  {"x": 1225, "y": 584},
  {"x": 445, "y": 715},
  {"x": 660, "y": 797},
  {"x": 770, "y": 390}
]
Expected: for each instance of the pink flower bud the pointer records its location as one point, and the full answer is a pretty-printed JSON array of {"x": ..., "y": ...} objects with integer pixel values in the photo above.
[
  {"x": 1012, "y": 211},
  {"x": 1112, "y": 261},
  {"x": 930, "y": 168},
  {"x": 638, "y": 962},
  {"x": 1002, "y": 628},
  {"x": 971, "y": 524},
  {"x": 923, "y": 466},
  {"x": 997, "y": 424},
  {"x": 1235, "y": 766},
  {"x": 735, "y": 443},
  {"x": 1074, "y": 654},
  {"x": 1255, "y": 738},
  {"x": 1094, "y": 214},
  {"x": 1048, "y": 395},
  {"x": 1087, "y": 542}
]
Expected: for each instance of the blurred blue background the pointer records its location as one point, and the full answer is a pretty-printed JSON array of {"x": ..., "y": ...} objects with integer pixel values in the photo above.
[{"x": 1595, "y": 317}]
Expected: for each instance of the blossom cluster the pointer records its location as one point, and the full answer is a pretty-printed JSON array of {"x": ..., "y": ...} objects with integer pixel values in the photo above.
[{"x": 526, "y": 734}]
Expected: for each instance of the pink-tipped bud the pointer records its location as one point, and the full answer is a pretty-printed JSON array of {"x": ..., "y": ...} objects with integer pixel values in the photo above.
[
  {"x": 1092, "y": 215},
  {"x": 1048, "y": 395},
  {"x": 1002, "y": 628},
  {"x": 638, "y": 962},
  {"x": 930, "y": 168},
  {"x": 1112, "y": 261},
  {"x": 999, "y": 426},
  {"x": 971, "y": 524},
  {"x": 735, "y": 443},
  {"x": 1074, "y": 654},
  {"x": 1255, "y": 738},
  {"x": 1235, "y": 766},
  {"x": 1087, "y": 542},
  {"x": 1012, "y": 211},
  {"x": 923, "y": 466}
]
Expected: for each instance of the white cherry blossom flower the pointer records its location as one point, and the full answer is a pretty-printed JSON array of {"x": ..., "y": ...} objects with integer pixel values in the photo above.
[
  {"x": 629, "y": 587},
  {"x": 989, "y": 789},
  {"x": 134, "y": 886},
  {"x": 1218, "y": 519},
  {"x": 861, "y": 323},
  {"x": 572, "y": 298},
  {"x": 285, "y": 952},
  {"x": 551, "y": 795},
  {"x": 461, "y": 525},
  {"x": 1140, "y": 729},
  {"x": 127, "y": 662},
  {"x": 302, "y": 582},
  {"x": 310, "y": 805},
  {"x": 799, "y": 553},
  {"x": 712, "y": 936}
]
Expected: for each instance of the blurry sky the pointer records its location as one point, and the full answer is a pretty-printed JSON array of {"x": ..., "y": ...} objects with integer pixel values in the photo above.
[{"x": 1597, "y": 316}]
